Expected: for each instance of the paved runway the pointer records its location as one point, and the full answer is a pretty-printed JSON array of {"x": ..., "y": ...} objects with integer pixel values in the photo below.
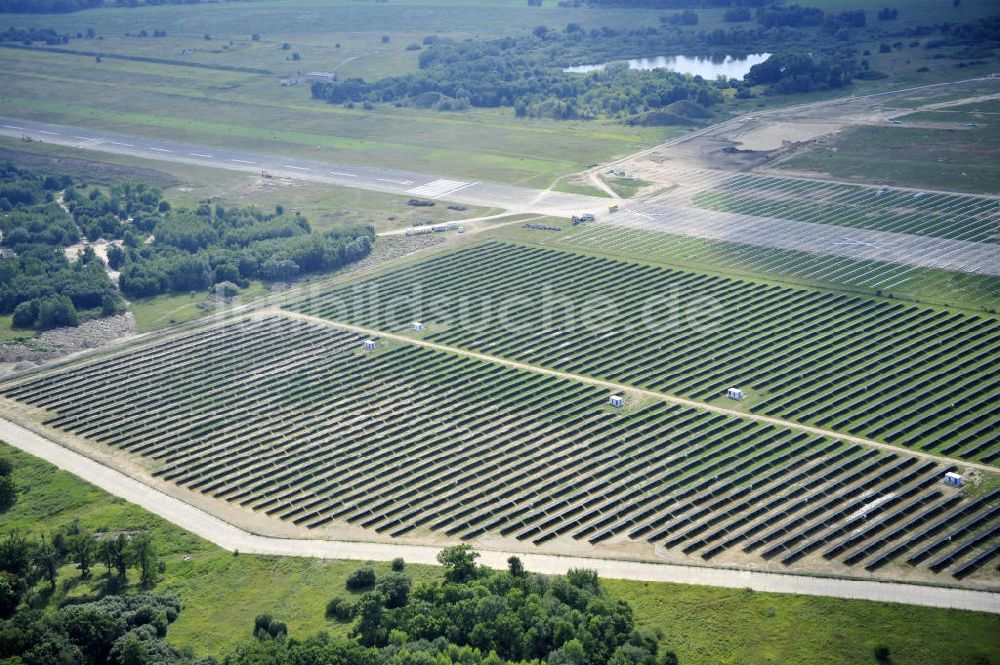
[
  {"x": 509, "y": 197},
  {"x": 855, "y": 243}
]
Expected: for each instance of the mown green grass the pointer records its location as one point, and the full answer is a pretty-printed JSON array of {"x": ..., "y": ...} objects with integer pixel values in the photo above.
[
  {"x": 7, "y": 331},
  {"x": 253, "y": 112},
  {"x": 163, "y": 311},
  {"x": 222, "y": 594}
]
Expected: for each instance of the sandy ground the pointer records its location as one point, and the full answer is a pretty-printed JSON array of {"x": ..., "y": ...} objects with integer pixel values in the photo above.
[
  {"x": 60, "y": 342},
  {"x": 769, "y": 135}
]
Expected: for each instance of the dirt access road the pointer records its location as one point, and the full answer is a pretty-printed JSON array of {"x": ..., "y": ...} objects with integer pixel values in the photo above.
[{"x": 231, "y": 538}]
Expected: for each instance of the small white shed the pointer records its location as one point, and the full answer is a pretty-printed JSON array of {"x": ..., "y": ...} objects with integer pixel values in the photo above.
[
  {"x": 734, "y": 393},
  {"x": 416, "y": 325},
  {"x": 616, "y": 401},
  {"x": 953, "y": 479},
  {"x": 369, "y": 345}
]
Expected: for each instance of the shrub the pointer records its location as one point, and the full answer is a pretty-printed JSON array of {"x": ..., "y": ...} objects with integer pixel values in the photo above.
[
  {"x": 361, "y": 579},
  {"x": 395, "y": 587},
  {"x": 341, "y": 609}
]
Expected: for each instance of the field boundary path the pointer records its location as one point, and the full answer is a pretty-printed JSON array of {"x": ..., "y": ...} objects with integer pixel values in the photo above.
[
  {"x": 624, "y": 388},
  {"x": 232, "y": 538}
]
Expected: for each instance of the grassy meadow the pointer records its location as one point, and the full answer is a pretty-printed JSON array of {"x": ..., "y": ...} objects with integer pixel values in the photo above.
[{"x": 193, "y": 93}]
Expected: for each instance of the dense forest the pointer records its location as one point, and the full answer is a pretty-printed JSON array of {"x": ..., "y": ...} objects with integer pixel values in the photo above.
[
  {"x": 160, "y": 250},
  {"x": 39, "y": 285},
  {"x": 525, "y": 73},
  {"x": 518, "y": 73},
  {"x": 812, "y": 50},
  {"x": 67, "y": 6}
]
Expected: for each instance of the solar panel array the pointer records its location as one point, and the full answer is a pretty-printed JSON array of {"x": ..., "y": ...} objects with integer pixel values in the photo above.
[
  {"x": 294, "y": 420},
  {"x": 904, "y": 374}
]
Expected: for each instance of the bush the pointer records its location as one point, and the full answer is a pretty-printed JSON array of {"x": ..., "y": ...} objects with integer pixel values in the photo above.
[
  {"x": 361, "y": 579},
  {"x": 25, "y": 314},
  {"x": 397, "y": 564},
  {"x": 341, "y": 609},
  {"x": 57, "y": 312},
  {"x": 395, "y": 588}
]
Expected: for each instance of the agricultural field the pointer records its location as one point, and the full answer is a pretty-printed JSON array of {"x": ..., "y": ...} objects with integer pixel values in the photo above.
[
  {"x": 903, "y": 374},
  {"x": 293, "y": 420},
  {"x": 929, "y": 285}
]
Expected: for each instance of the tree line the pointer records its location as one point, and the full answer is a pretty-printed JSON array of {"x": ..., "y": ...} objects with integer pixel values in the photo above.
[
  {"x": 517, "y": 73},
  {"x": 525, "y": 73},
  {"x": 474, "y": 616},
  {"x": 67, "y": 6},
  {"x": 198, "y": 249},
  {"x": 47, "y": 6}
]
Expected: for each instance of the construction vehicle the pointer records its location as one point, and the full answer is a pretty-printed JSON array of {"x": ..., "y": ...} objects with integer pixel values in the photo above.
[
  {"x": 613, "y": 207},
  {"x": 580, "y": 219},
  {"x": 266, "y": 174},
  {"x": 26, "y": 138}
]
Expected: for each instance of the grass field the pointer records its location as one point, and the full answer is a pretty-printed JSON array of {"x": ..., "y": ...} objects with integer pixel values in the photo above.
[
  {"x": 958, "y": 158},
  {"x": 222, "y": 593},
  {"x": 253, "y": 112}
]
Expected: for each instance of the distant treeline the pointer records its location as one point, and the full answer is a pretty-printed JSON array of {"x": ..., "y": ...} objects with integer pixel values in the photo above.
[
  {"x": 47, "y": 6},
  {"x": 67, "y": 6},
  {"x": 675, "y": 4},
  {"x": 517, "y": 73},
  {"x": 526, "y": 74}
]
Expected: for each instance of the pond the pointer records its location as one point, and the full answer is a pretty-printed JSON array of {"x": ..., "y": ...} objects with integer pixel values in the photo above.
[{"x": 708, "y": 67}]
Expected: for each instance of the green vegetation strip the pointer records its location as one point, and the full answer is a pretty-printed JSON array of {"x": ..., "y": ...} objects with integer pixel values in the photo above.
[{"x": 955, "y": 289}]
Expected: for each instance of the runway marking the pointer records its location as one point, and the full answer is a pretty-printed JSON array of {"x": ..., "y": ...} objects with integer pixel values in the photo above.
[
  {"x": 349, "y": 175},
  {"x": 200, "y": 154},
  {"x": 242, "y": 161},
  {"x": 396, "y": 182},
  {"x": 42, "y": 131},
  {"x": 13, "y": 127},
  {"x": 127, "y": 145},
  {"x": 161, "y": 150},
  {"x": 297, "y": 168},
  {"x": 85, "y": 138},
  {"x": 438, "y": 188}
]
